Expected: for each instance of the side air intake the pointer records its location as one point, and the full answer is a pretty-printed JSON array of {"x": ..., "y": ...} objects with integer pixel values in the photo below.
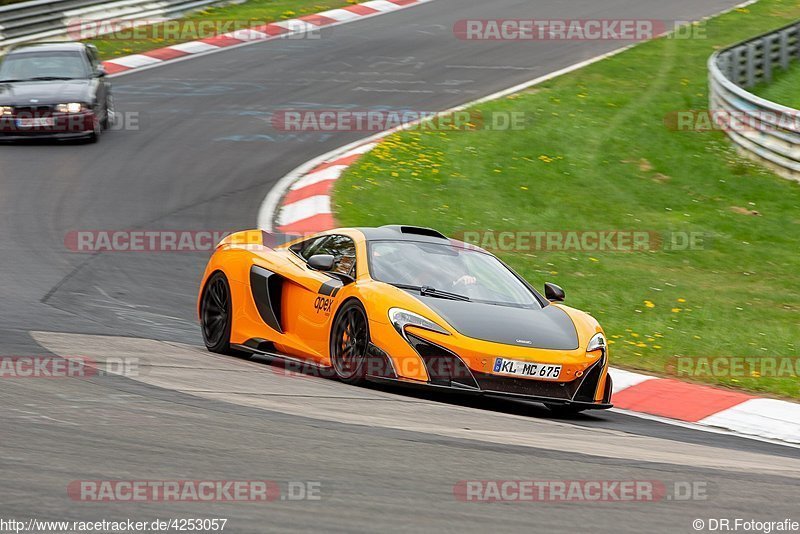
[{"x": 418, "y": 230}]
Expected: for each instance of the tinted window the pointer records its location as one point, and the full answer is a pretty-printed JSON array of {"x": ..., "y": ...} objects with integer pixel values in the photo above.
[
  {"x": 343, "y": 249},
  {"x": 306, "y": 249},
  {"x": 54, "y": 64},
  {"x": 467, "y": 272}
]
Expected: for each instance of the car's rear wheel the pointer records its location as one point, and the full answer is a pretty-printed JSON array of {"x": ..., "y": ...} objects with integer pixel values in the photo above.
[
  {"x": 564, "y": 410},
  {"x": 350, "y": 343},
  {"x": 215, "y": 314}
]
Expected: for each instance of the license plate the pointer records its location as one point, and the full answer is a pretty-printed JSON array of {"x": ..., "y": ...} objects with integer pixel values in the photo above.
[
  {"x": 541, "y": 371},
  {"x": 36, "y": 122}
]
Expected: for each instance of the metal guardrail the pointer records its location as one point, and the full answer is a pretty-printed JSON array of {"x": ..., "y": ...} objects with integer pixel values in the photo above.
[
  {"x": 39, "y": 20},
  {"x": 763, "y": 131}
]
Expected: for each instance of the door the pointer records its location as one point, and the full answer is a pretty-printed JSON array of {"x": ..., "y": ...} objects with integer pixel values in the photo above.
[{"x": 309, "y": 303}]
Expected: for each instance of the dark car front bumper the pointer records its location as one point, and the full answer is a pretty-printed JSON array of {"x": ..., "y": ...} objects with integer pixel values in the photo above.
[{"x": 66, "y": 126}]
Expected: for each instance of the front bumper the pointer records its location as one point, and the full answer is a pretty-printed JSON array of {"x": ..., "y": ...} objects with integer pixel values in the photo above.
[
  {"x": 65, "y": 126},
  {"x": 447, "y": 371}
]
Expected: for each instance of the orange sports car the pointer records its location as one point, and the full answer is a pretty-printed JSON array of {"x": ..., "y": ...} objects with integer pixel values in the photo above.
[{"x": 406, "y": 305}]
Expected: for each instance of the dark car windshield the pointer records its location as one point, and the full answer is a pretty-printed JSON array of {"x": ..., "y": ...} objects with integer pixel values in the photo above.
[
  {"x": 53, "y": 65},
  {"x": 448, "y": 268}
]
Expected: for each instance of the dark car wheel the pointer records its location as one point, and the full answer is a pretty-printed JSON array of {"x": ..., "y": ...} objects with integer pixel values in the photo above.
[
  {"x": 215, "y": 314},
  {"x": 110, "y": 115},
  {"x": 564, "y": 410},
  {"x": 350, "y": 343},
  {"x": 95, "y": 135}
]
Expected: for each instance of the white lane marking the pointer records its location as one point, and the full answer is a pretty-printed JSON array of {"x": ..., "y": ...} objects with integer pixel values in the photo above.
[
  {"x": 304, "y": 209},
  {"x": 625, "y": 379},
  {"x": 296, "y": 26},
  {"x": 247, "y": 35},
  {"x": 358, "y": 151},
  {"x": 215, "y": 49},
  {"x": 194, "y": 47},
  {"x": 341, "y": 15},
  {"x": 381, "y": 5},
  {"x": 135, "y": 60},
  {"x": 766, "y": 418},
  {"x": 269, "y": 208},
  {"x": 331, "y": 173},
  {"x": 702, "y": 428}
]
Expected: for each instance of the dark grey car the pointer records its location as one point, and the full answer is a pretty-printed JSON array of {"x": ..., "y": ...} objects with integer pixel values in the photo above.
[{"x": 55, "y": 90}]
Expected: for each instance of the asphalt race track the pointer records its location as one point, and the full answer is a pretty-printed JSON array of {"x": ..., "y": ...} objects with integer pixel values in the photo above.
[{"x": 203, "y": 158}]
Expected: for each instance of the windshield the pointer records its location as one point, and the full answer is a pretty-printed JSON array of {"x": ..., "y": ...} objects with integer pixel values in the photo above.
[
  {"x": 447, "y": 268},
  {"x": 44, "y": 65}
]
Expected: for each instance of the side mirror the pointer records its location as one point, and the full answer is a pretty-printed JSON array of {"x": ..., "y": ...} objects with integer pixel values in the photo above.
[
  {"x": 553, "y": 293},
  {"x": 100, "y": 72},
  {"x": 322, "y": 262}
]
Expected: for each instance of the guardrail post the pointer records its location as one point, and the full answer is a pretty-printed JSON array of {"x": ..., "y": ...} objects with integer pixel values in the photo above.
[{"x": 784, "y": 51}]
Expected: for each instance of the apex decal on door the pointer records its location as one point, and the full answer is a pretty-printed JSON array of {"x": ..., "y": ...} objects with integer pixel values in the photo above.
[{"x": 324, "y": 305}]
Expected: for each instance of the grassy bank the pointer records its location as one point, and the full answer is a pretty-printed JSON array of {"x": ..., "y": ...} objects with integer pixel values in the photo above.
[
  {"x": 597, "y": 155},
  {"x": 784, "y": 88},
  {"x": 239, "y": 15}
]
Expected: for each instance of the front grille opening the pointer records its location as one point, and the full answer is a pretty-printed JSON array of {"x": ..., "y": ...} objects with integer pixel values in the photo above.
[{"x": 444, "y": 368}]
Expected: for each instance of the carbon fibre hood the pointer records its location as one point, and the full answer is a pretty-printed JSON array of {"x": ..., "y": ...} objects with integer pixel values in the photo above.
[{"x": 546, "y": 328}]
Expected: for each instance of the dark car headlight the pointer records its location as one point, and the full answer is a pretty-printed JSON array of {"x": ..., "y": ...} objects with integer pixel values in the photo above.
[{"x": 71, "y": 107}]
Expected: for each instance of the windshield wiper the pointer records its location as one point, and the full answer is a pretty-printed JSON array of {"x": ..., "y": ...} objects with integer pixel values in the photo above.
[{"x": 427, "y": 291}]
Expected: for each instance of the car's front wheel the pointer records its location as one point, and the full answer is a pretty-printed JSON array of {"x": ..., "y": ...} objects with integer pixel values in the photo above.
[
  {"x": 215, "y": 314},
  {"x": 110, "y": 114},
  {"x": 350, "y": 343}
]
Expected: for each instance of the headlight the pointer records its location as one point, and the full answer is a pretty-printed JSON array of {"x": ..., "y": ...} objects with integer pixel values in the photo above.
[
  {"x": 401, "y": 318},
  {"x": 72, "y": 107},
  {"x": 6, "y": 110},
  {"x": 598, "y": 342}
]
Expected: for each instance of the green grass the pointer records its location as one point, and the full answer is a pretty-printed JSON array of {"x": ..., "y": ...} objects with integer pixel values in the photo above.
[
  {"x": 240, "y": 15},
  {"x": 785, "y": 87},
  {"x": 597, "y": 155}
]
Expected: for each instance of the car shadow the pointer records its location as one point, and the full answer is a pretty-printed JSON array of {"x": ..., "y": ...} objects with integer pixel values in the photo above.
[{"x": 479, "y": 402}]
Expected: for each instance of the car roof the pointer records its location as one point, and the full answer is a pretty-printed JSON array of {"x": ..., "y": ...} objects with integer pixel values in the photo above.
[
  {"x": 49, "y": 47},
  {"x": 398, "y": 232}
]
